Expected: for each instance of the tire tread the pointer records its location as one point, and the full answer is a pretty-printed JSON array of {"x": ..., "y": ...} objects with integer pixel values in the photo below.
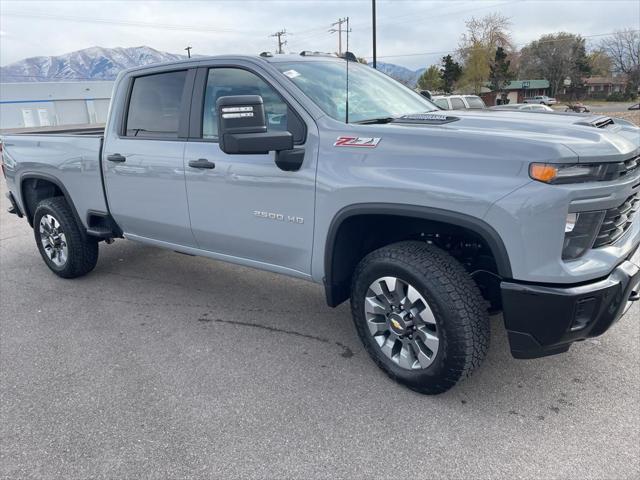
[
  {"x": 470, "y": 321},
  {"x": 83, "y": 250}
]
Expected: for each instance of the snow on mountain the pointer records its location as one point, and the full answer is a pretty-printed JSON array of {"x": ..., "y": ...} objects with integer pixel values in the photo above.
[
  {"x": 400, "y": 73},
  {"x": 98, "y": 63},
  {"x": 95, "y": 63}
]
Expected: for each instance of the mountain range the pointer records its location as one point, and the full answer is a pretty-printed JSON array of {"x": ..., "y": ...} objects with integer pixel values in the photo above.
[
  {"x": 98, "y": 63},
  {"x": 95, "y": 63}
]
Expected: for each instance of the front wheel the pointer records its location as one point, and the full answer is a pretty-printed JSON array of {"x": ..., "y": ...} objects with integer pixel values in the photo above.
[
  {"x": 419, "y": 315},
  {"x": 66, "y": 251}
]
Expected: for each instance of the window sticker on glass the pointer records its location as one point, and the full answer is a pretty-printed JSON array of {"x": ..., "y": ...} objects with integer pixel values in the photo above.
[{"x": 291, "y": 73}]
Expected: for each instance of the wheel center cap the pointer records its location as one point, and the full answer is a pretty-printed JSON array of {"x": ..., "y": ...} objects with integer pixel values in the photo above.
[{"x": 398, "y": 323}]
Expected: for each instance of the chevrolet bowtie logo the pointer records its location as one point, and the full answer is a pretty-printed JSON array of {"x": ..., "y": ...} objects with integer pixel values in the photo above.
[{"x": 396, "y": 324}]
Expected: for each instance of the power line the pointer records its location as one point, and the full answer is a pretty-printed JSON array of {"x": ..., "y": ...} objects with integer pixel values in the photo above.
[
  {"x": 127, "y": 23},
  {"x": 441, "y": 52},
  {"x": 281, "y": 43},
  {"x": 313, "y": 32},
  {"x": 340, "y": 30}
]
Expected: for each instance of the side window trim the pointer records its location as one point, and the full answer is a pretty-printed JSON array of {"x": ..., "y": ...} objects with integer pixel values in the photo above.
[
  {"x": 198, "y": 99},
  {"x": 183, "y": 123}
]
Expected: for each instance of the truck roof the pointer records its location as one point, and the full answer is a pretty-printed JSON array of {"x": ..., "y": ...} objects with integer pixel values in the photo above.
[{"x": 305, "y": 56}]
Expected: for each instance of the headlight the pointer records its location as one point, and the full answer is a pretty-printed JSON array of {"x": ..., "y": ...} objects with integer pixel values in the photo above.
[
  {"x": 569, "y": 173},
  {"x": 580, "y": 231}
]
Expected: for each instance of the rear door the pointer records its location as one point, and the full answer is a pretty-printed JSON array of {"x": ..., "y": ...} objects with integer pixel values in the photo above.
[
  {"x": 246, "y": 208},
  {"x": 143, "y": 160}
]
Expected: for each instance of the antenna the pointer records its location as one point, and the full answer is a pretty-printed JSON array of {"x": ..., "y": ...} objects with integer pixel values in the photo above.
[{"x": 346, "y": 113}]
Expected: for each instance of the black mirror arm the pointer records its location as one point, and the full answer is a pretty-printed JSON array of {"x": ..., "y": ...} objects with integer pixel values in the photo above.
[{"x": 290, "y": 160}]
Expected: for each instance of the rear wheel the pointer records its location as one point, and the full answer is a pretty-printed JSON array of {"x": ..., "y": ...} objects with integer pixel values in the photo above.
[
  {"x": 419, "y": 315},
  {"x": 65, "y": 250}
]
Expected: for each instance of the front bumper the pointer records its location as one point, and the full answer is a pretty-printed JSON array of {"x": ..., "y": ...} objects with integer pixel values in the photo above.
[{"x": 542, "y": 320}]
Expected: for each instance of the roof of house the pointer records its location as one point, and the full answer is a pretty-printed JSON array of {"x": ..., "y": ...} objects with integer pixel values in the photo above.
[
  {"x": 517, "y": 84},
  {"x": 605, "y": 80}
]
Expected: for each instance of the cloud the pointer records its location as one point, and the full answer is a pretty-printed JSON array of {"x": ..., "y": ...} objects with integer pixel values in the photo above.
[{"x": 422, "y": 27}]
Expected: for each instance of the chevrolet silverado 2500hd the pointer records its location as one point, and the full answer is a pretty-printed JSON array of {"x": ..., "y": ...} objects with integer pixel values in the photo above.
[{"x": 426, "y": 220}]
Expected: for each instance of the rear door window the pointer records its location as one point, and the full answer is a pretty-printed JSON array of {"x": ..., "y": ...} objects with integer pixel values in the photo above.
[
  {"x": 475, "y": 102},
  {"x": 457, "y": 104},
  {"x": 155, "y": 105}
]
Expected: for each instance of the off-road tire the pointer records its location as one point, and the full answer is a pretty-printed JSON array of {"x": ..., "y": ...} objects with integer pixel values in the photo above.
[
  {"x": 82, "y": 250},
  {"x": 460, "y": 312}
]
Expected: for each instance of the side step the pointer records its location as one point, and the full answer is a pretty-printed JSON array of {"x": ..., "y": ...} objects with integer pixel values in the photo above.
[
  {"x": 100, "y": 232},
  {"x": 101, "y": 225}
]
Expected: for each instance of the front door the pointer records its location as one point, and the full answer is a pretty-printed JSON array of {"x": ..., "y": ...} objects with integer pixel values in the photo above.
[
  {"x": 245, "y": 208},
  {"x": 143, "y": 163}
]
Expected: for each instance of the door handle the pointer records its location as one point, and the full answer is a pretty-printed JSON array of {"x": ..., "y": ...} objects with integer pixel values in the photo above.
[
  {"x": 202, "y": 163},
  {"x": 116, "y": 157}
]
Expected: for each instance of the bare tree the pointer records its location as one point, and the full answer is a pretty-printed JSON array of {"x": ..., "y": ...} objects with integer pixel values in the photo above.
[
  {"x": 624, "y": 50},
  {"x": 490, "y": 32},
  {"x": 478, "y": 47},
  {"x": 556, "y": 57}
]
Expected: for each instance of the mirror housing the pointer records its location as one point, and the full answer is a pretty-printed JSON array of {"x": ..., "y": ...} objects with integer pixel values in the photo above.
[{"x": 242, "y": 127}]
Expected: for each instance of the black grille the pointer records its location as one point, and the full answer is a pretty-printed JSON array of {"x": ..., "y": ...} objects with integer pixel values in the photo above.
[
  {"x": 621, "y": 169},
  {"x": 617, "y": 221}
]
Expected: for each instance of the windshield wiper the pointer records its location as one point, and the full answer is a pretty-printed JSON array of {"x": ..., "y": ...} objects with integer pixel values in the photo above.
[{"x": 376, "y": 120}]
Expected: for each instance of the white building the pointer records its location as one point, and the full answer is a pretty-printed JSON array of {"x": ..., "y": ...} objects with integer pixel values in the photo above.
[{"x": 44, "y": 104}]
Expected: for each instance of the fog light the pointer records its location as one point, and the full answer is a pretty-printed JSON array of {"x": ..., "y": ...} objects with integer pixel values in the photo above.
[{"x": 580, "y": 232}]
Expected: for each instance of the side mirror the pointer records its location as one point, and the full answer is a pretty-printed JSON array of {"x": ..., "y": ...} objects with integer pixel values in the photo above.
[{"x": 242, "y": 128}]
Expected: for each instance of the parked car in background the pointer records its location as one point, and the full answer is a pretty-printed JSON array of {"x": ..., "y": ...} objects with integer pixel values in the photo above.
[
  {"x": 534, "y": 107},
  {"x": 634, "y": 107},
  {"x": 458, "y": 102},
  {"x": 542, "y": 99}
]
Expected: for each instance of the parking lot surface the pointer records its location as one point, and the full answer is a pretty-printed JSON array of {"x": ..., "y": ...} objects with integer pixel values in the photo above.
[{"x": 160, "y": 365}]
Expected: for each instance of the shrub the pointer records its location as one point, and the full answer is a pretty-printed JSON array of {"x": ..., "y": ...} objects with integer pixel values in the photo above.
[{"x": 621, "y": 97}]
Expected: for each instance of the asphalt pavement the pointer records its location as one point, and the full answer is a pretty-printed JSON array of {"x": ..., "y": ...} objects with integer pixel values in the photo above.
[{"x": 160, "y": 365}]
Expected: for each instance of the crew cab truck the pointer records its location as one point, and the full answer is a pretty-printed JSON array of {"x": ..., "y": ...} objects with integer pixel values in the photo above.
[{"x": 426, "y": 220}]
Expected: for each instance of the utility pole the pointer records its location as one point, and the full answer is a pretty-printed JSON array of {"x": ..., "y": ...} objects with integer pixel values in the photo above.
[
  {"x": 281, "y": 43},
  {"x": 373, "y": 18},
  {"x": 188, "y": 49},
  {"x": 339, "y": 29}
]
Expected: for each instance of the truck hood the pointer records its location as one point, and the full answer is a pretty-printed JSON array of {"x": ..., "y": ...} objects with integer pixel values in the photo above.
[{"x": 590, "y": 137}]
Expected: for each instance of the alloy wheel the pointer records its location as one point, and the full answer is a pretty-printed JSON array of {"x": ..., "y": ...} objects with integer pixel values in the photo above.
[
  {"x": 401, "y": 323},
  {"x": 53, "y": 240}
]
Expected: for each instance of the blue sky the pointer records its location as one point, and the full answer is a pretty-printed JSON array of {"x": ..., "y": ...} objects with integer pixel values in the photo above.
[{"x": 410, "y": 33}]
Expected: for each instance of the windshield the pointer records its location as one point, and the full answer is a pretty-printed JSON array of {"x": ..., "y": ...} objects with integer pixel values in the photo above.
[{"x": 372, "y": 94}]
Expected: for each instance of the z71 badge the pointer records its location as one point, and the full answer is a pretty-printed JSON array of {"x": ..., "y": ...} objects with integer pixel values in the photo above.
[{"x": 362, "y": 142}]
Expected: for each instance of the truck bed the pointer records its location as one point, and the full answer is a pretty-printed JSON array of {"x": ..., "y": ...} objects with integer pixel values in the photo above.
[{"x": 68, "y": 158}]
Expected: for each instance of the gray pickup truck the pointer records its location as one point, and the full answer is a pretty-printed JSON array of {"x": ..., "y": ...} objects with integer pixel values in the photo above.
[{"x": 428, "y": 221}]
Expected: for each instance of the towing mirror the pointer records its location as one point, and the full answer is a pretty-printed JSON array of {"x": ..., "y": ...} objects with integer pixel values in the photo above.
[{"x": 242, "y": 127}]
